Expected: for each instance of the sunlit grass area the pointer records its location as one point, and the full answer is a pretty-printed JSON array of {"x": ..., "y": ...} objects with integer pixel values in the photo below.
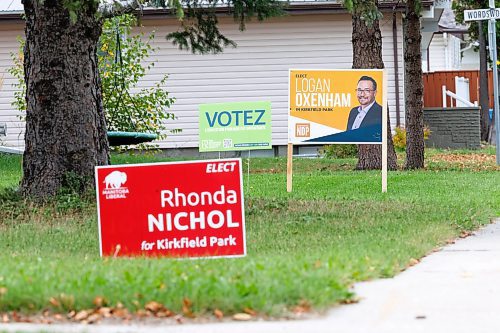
[{"x": 305, "y": 247}]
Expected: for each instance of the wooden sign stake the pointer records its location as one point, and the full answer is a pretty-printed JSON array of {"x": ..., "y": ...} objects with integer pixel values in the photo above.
[{"x": 289, "y": 167}]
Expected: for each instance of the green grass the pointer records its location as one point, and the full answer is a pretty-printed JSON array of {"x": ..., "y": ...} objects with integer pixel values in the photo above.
[
  {"x": 308, "y": 246},
  {"x": 10, "y": 170}
]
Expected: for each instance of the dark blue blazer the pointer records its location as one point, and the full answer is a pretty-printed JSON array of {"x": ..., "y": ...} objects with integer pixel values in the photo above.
[{"x": 373, "y": 117}]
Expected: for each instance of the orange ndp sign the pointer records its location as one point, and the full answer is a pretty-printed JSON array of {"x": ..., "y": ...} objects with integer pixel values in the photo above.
[{"x": 323, "y": 105}]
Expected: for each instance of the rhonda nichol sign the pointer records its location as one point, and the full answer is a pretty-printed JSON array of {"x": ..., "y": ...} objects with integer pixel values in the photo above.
[{"x": 180, "y": 209}]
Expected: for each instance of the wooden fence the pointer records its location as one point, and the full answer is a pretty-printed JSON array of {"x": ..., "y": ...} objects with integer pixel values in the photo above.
[{"x": 434, "y": 81}]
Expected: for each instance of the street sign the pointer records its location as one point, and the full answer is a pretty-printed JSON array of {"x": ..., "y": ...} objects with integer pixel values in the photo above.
[
  {"x": 481, "y": 14},
  {"x": 491, "y": 14},
  {"x": 181, "y": 209}
]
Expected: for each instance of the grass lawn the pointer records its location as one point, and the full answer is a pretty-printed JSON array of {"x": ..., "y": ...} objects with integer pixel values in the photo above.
[{"x": 305, "y": 248}]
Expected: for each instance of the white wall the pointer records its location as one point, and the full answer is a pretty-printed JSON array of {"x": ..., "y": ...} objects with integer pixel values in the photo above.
[
  {"x": 8, "y": 114},
  {"x": 438, "y": 56},
  {"x": 470, "y": 59},
  {"x": 256, "y": 70},
  {"x": 444, "y": 54}
]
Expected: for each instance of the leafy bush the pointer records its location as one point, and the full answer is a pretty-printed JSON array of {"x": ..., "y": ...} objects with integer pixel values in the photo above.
[
  {"x": 18, "y": 72},
  {"x": 399, "y": 138},
  {"x": 144, "y": 110},
  {"x": 339, "y": 151}
]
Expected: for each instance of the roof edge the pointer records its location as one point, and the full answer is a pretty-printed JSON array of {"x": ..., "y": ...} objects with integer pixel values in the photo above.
[{"x": 293, "y": 8}]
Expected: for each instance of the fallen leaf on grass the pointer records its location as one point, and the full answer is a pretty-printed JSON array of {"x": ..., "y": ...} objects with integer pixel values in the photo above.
[
  {"x": 81, "y": 315},
  {"x": 54, "y": 302},
  {"x": 251, "y": 312},
  {"x": 303, "y": 307},
  {"x": 218, "y": 314},
  {"x": 242, "y": 317},
  {"x": 299, "y": 310},
  {"x": 413, "y": 262},
  {"x": 465, "y": 234},
  {"x": 3, "y": 291},
  {"x": 186, "y": 308},
  {"x": 121, "y": 313},
  {"x": 15, "y": 317},
  {"x": 352, "y": 300},
  {"x": 18, "y": 319},
  {"x": 93, "y": 318},
  {"x": 164, "y": 313},
  {"x": 99, "y": 301},
  {"x": 105, "y": 312},
  {"x": 153, "y": 306},
  {"x": 141, "y": 313}
]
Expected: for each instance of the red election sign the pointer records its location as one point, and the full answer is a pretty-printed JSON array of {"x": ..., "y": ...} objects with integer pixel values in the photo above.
[{"x": 181, "y": 209}]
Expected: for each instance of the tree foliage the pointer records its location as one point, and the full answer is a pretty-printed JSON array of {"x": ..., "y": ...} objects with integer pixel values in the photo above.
[
  {"x": 460, "y": 5},
  {"x": 366, "y": 9},
  {"x": 121, "y": 59},
  {"x": 199, "y": 31},
  {"x": 121, "y": 66}
]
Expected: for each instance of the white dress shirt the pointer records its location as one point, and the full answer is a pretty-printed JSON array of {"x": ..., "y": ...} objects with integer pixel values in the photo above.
[{"x": 361, "y": 115}]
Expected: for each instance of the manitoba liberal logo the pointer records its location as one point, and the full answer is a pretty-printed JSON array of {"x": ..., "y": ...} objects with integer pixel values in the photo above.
[{"x": 114, "y": 185}]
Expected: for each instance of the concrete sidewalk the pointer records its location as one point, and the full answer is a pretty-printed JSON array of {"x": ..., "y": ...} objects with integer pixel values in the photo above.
[{"x": 455, "y": 290}]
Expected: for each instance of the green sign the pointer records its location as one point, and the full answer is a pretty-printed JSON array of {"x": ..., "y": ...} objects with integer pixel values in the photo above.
[{"x": 235, "y": 126}]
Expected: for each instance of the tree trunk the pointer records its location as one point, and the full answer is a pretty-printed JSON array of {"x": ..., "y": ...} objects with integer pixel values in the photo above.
[
  {"x": 65, "y": 127},
  {"x": 483, "y": 85},
  {"x": 414, "y": 88},
  {"x": 367, "y": 53}
]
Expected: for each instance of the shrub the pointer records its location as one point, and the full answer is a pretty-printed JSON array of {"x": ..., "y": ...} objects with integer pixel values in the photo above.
[
  {"x": 145, "y": 110},
  {"x": 399, "y": 138},
  {"x": 339, "y": 151}
]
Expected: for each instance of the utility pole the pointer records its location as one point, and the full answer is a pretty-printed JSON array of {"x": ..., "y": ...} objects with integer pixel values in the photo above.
[
  {"x": 491, "y": 15},
  {"x": 492, "y": 32}
]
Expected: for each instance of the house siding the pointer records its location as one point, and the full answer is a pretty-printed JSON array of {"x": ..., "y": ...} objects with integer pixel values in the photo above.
[
  {"x": 437, "y": 54},
  {"x": 256, "y": 70},
  {"x": 8, "y": 114}
]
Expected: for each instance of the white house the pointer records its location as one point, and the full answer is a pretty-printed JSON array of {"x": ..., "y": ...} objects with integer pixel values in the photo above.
[
  {"x": 450, "y": 47},
  {"x": 314, "y": 35}
]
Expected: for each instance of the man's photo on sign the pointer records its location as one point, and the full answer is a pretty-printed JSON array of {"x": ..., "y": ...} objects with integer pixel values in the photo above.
[{"x": 368, "y": 115}]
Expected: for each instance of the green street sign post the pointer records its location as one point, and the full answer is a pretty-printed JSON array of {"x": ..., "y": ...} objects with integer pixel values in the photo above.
[
  {"x": 491, "y": 14},
  {"x": 235, "y": 126}
]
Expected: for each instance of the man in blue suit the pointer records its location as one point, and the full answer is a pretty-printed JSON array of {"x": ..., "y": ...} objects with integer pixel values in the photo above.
[{"x": 368, "y": 115}]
